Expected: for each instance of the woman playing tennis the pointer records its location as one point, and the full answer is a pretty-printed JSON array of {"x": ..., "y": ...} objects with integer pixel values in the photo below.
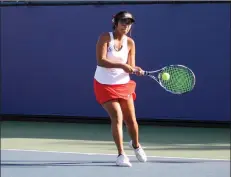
[{"x": 114, "y": 89}]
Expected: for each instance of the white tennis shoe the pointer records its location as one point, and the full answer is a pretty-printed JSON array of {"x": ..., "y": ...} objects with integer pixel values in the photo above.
[
  {"x": 139, "y": 152},
  {"x": 123, "y": 161}
]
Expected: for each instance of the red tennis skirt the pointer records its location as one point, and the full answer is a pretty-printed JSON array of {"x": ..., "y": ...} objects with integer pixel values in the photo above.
[{"x": 106, "y": 93}]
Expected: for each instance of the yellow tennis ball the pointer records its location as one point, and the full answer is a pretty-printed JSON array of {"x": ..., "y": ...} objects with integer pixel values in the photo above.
[{"x": 165, "y": 76}]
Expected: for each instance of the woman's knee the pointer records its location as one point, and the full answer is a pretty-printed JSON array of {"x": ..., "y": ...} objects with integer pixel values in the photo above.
[
  {"x": 130, "y": 122},
  {"x": 117, "y": 117}
]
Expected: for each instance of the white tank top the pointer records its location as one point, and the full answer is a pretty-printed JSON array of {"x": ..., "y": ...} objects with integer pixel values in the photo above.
[{"x": 113, "y": 76}]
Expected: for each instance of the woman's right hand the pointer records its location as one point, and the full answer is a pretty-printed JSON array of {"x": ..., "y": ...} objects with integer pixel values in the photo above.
[{"x": 127, "y": 68}]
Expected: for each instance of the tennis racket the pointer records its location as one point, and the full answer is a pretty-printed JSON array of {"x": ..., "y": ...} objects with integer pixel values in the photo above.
[{"x": 182, "y": 79}]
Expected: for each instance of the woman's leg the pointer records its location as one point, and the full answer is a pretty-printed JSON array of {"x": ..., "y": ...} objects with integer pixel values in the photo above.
[
  {"x": 114, "y": 111},
  {"x": 129, "y": 117}
]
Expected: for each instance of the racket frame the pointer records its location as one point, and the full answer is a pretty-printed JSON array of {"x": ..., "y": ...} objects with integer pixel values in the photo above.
[{"x": 158, "y": 79}]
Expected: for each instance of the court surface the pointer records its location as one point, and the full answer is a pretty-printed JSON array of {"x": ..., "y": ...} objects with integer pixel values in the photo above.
[{"x": 84, "y": 150}]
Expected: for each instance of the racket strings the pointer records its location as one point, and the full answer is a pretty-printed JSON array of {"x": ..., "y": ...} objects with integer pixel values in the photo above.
[{"x": 181, "y": 79}]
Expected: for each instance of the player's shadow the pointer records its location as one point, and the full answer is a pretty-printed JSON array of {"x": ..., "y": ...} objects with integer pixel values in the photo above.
[{"x": 85, "y": 163}]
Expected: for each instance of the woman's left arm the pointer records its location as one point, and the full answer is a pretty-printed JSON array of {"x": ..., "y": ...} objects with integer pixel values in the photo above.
[
  {"x": 132, "y": 57},
  {"x": 132, "y": 53}
]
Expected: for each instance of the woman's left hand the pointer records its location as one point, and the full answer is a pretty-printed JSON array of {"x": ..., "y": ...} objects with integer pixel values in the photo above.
[{"x": 138, "y": 71}]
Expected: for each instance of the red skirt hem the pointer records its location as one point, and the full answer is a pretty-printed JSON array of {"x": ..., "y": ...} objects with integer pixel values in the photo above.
[{"x": 104, "y": 92}]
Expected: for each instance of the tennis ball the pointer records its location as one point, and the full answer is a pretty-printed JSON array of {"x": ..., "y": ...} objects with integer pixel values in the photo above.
[{"x": 165, "y": 76}]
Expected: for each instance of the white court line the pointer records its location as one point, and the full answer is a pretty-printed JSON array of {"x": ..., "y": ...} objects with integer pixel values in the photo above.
[{"x": 102, "y": 154}]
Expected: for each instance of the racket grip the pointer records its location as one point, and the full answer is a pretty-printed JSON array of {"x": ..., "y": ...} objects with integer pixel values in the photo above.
[{"x": 134, "y": 72}]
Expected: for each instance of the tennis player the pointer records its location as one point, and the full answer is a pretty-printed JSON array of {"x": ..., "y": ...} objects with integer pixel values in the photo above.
[{"x": 114, "y": 89}]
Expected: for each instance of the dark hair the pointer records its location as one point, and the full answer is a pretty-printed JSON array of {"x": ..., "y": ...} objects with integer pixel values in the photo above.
[{"x": 118, "y": 16}]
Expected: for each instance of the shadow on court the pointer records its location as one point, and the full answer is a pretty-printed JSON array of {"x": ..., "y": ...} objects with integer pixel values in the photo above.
[
  {"x": 20, "y": 163},
  {"x": 83, "y": 162}
]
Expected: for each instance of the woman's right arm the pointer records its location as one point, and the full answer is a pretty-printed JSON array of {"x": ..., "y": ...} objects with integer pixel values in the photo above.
[{"x": 101, "y": 53}]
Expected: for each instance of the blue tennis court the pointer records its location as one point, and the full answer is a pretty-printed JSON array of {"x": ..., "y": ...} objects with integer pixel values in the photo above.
[{"x": 22, "y": 163}]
